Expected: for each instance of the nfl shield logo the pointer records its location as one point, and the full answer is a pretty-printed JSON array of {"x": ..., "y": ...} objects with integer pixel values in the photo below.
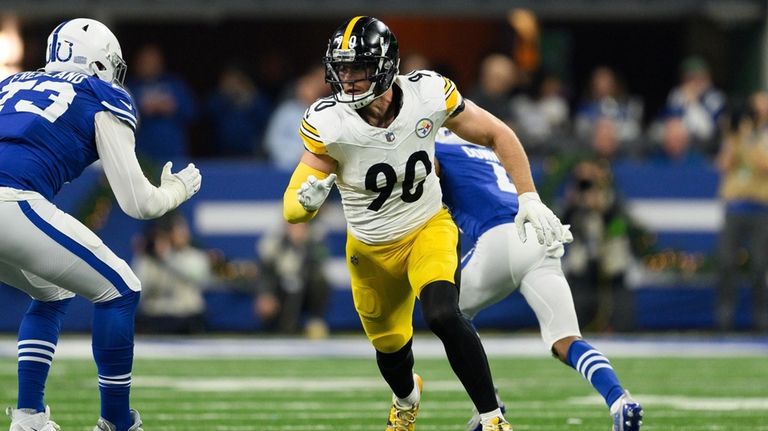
[
  {"x": 389, "y": 136},
  {"x": 423, "y": 127}
]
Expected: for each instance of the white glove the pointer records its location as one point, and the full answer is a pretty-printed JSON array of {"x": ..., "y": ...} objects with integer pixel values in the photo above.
[
  {"x": 183, "y": 184},
  {"x": 557, "y": 249},
  {"x": 567, "y": 234},
  {"x": 312, "y": 192},
  {"x": 546, "y": 224}
]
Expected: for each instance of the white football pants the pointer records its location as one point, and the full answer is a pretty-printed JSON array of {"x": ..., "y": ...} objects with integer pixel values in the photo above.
[
  {"x": 500, "y": 263},
  {"x": 51, "y": 256}
]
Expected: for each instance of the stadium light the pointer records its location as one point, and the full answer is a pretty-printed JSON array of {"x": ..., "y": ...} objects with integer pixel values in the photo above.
[{"x": 11, "y": 47}]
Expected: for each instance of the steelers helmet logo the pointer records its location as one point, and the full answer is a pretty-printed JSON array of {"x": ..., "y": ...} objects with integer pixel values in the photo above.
[{"x": 423, "y": 127}]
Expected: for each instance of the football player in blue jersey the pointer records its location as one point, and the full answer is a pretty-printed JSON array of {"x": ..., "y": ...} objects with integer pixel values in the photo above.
[
  {"x": 484, "y": 203},
  {"x": 54, "y": 122}
]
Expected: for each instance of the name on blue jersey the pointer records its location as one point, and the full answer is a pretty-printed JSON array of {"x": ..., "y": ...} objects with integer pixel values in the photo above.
[
  {"x": 73, "y": 77},
  {"x": 480, "y": 153}
]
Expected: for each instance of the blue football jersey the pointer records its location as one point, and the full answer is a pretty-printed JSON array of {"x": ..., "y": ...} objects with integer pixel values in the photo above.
[
  {"x": 47, "y": 131},
  {"x": 475, "y": 185}
]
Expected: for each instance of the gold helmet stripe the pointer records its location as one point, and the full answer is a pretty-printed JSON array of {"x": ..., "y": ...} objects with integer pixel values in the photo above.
[{"x": 348, "y": 32}]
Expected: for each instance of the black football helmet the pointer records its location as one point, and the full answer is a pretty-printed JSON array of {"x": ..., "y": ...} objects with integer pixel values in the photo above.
[{"x": 365, "y": 42}]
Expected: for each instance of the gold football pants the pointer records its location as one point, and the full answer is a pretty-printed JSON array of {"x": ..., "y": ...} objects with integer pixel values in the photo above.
[{"x": 387, "y": 278}]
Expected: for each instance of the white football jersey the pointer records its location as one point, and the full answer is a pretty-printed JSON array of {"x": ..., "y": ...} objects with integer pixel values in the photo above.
[{"x": 386, "y": 175}]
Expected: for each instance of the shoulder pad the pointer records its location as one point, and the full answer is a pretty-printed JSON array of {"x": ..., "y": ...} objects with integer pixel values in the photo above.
[
  {"x": 434, "y": 85},
  {"x": 116, "y": 100},
  {"x": 320, "y": 125}
]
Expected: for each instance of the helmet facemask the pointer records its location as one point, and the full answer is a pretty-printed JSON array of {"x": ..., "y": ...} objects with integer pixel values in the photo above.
[
  {"x": 377, "y": 71},
  {"x": 114, "y": 73}
]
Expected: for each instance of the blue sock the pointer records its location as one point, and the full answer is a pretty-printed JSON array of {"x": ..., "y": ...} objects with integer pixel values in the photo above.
[
  {"x": 596, "y": 368},
  {"x": 38, "y": 336},
  {"x": 113, "y": 352}
]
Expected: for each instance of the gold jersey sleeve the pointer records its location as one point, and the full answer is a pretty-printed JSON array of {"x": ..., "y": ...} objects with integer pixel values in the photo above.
[
  {"x": 453, "y": 99},
  {"x": 311, "y": 137}
]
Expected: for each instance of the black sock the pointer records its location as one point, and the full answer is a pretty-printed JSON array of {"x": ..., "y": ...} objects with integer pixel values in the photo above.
[
  {"x": 397, "y": 369},
  {"x": 440, "y": 307}
]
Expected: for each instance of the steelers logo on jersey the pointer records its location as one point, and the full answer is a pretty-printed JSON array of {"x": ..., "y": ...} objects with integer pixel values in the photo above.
[{"x": 423, "y": 127}]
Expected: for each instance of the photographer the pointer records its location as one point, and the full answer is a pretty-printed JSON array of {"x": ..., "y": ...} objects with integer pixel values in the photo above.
[{"x": 599, "y": 257}]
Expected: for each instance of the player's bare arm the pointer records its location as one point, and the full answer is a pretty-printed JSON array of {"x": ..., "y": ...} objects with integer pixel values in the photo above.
[
  {"x": 321, "y": 162},
  {"x": 477, "y": 125}
]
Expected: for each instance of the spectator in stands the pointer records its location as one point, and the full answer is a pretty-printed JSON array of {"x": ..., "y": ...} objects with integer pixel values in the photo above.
[
  {"x": 239, "y": 113},
  {"x": 604, "y": 144},
  {"x": 496, "y": 85},
  {"x": 598, "y": 259},
  {"x": 165, "y": 107},
  {"x": 194, "y": 263},
  {"x": 541, "y": 119},
  {"x": 608, "y": 99},
  {"x": 282, "y": 140},
  {"x": 698, "y": 103},
  {"x": 172, "y": 282},
  {"x": 292, "y": 280},
  {"x": 743, "y": 163},
  {"x": 675, "y": 146}
]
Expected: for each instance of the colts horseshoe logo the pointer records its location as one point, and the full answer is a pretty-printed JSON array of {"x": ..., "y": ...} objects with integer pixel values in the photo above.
[{"x": 58, "y": 51}]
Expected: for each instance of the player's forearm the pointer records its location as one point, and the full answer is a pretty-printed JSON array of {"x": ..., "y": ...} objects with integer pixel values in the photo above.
[
  {"x": 477, "y": 125},
  {"x": 136, "y": 196},
  {"x": 512, "y": 155},
  {"x": 293, "y": 212}
]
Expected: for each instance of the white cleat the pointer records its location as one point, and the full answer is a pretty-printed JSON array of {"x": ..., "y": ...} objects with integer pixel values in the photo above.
[
  {"x": 24, "y": 420},
  {"x": 105, "y": 425}
]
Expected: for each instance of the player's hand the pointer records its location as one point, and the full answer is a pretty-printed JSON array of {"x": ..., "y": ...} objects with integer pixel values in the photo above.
[
  {"x": 567, "y": 235},
  {"x": 546, "y": 224},
  {"x": 313, "y": 192},
  {"x": 189, "y": 178}
]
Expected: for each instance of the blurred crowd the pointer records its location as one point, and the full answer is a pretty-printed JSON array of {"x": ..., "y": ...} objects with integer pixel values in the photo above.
[
  {"x": 606, "y": 119},
  {"x": 286, "y": 281},
  {"x": 585, "y": 132}
]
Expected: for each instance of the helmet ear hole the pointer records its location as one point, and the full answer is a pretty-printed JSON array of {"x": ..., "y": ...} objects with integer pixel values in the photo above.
[{"x": 99, "y": 65}]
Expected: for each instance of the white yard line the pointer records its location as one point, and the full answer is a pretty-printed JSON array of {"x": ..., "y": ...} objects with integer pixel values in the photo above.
[{"x": 425, "y": 346}]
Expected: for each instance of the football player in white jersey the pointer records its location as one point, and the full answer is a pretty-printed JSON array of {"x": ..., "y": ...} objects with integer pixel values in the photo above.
[
  {"x": 484, "y": 204},
  {"x": 375, "y": 139},
  {"x": 53, "y": 124}
]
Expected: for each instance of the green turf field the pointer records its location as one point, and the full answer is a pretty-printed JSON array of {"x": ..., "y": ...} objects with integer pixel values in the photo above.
[{"x": 348, "y": 394}]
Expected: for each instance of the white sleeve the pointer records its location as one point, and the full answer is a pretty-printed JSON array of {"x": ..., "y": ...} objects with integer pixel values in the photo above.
[{"x": 136, "y": 196}]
